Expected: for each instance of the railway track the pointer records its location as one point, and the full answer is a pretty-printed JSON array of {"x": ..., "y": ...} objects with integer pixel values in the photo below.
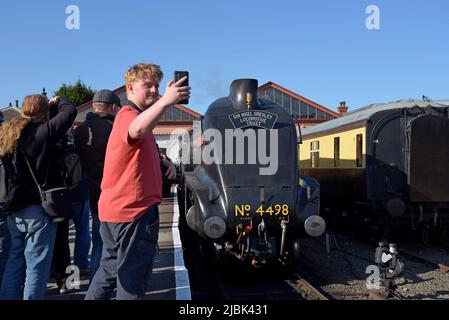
[
  {"x": 308, "y": 291},
  {"x": 257, "y": 285},
  {"x": 439, "y": 261},
  {"x": 423, "y": 252},
  {"x": 267, "y": 285},
  {"x": 340, "y": 276}
]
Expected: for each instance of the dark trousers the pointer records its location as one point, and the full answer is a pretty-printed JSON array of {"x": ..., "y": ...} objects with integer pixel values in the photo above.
[
  {"x": 97, "y": 245},
  {"x": 61, "y": 253},
  {"x": 127, "y": 258},
  {"x": 4, "y": 245}
]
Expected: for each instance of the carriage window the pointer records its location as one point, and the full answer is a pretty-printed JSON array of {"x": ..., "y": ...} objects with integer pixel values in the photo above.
[
  {"x": 315, "y": 154},
  {"x": 336, "y": 152},
  {"x": 359, "y": 150}
]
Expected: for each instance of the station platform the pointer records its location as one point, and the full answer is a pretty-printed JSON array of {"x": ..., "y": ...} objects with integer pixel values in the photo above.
[{"x": 169, "y": 280}]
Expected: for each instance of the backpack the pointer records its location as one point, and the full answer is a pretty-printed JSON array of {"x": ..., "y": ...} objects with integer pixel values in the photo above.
[
  {"x": 9, "y": 182},
  {"x": 71, "y": 166}
]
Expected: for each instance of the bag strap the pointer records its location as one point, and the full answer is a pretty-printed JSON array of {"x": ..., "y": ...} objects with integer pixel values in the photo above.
[
  {"x": 134, "y": 106},
  {"x": 32, "y": 173}
]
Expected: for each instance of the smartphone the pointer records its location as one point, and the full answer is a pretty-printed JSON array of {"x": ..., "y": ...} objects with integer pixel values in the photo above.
[{"x": 178, "y": 75}]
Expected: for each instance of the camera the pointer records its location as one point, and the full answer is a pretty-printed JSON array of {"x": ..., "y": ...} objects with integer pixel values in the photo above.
[{"x": 178, "y": 75}]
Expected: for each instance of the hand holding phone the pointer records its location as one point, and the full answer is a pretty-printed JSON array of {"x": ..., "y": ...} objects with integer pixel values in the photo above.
[{"x": 179, "y": 75}]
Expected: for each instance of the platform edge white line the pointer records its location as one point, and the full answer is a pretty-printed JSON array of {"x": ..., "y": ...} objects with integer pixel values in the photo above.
[{"x": 181, "y": 273}]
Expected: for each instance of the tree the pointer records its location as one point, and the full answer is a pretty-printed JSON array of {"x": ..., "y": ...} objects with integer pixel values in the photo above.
[{"x": 77, "y": 93}]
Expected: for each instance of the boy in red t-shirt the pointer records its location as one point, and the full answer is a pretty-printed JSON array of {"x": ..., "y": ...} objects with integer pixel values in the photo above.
[{"x": 132, "y": 185}]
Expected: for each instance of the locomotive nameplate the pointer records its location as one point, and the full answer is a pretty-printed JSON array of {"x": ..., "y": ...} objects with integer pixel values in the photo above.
[
  {"x": 253, "y": 118},
  {"x": 245, "y": 210}
]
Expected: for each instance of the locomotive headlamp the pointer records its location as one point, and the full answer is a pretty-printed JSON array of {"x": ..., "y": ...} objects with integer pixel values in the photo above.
[
  {"x": 242, "y": 93},
  {"x": 315, "y": 226},
  {"x": 249, "y": 99},
  {"x": 214, "y": 227}
]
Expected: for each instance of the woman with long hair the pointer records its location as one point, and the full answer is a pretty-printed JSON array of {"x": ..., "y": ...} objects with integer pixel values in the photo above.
[
  {"x": 4, "y": 233},
  {"x": 32, "y": 136}
]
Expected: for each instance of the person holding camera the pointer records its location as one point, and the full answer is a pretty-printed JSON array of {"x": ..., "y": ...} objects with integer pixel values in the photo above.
[
  {"x": 131, "y": 187},
  {"x": 32, "y": 136}
]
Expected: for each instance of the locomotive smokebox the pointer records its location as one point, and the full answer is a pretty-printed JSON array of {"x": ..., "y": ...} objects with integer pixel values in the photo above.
[{"x": 243, "y": 94}]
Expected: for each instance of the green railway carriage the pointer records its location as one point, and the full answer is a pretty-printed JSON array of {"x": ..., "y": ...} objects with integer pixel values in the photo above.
[{"x": 393, "y": 157}]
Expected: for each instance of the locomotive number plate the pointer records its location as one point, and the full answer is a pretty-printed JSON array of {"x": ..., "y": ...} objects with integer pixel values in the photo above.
[{"x": 244, "y": 210}]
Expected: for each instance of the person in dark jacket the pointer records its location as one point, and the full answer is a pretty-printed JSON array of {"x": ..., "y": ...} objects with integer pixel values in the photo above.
[
  {"x": 62, "y": 267},
  {"x": 91, "y": 138},
  {"x": 32, "y": 230}
]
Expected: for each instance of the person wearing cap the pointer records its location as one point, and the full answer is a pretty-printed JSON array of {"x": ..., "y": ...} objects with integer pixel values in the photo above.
[{"x": 91, "y": 138}]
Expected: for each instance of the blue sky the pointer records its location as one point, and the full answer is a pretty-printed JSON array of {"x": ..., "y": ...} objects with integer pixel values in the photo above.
[{"x": 320, "y": 49}]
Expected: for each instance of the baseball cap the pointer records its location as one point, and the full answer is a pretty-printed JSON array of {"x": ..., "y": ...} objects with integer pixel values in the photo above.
[{"x": 106, "y": 96}]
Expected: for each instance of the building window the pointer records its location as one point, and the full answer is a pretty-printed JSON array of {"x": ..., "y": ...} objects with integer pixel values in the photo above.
[
  {"x": 304, "y": 112},
  {"x": 315, "y": 154},
  {"x": 295, "y": 106},
  {"x": 168, "y": 114},
  {"x": 286, "y": 103},
  {"x": 278, "y": 97},
  {"x": 261, "y": 94},
  {"x": 270, "y": 94},
  {"x": 337, "y": 152},
  {"x": 320, "y": 115},
  {"x": 359, "y": 151},
  {"x": 312, "y": 113},
  {"x": 176, "y": 114},
  {"x": 185, "y": 116}
]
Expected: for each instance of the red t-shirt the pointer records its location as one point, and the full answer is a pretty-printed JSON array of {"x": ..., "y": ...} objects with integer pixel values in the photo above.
[{"x": 132, "y": 178}]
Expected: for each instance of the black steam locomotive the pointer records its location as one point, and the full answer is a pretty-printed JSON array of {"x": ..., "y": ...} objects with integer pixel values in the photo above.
[
  {"x": 241, "y": 190},
  {"x": 390, "y": 158}
]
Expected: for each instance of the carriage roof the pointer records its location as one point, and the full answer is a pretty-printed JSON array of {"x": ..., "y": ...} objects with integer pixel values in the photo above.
[{"x": 365, "y": 113}]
